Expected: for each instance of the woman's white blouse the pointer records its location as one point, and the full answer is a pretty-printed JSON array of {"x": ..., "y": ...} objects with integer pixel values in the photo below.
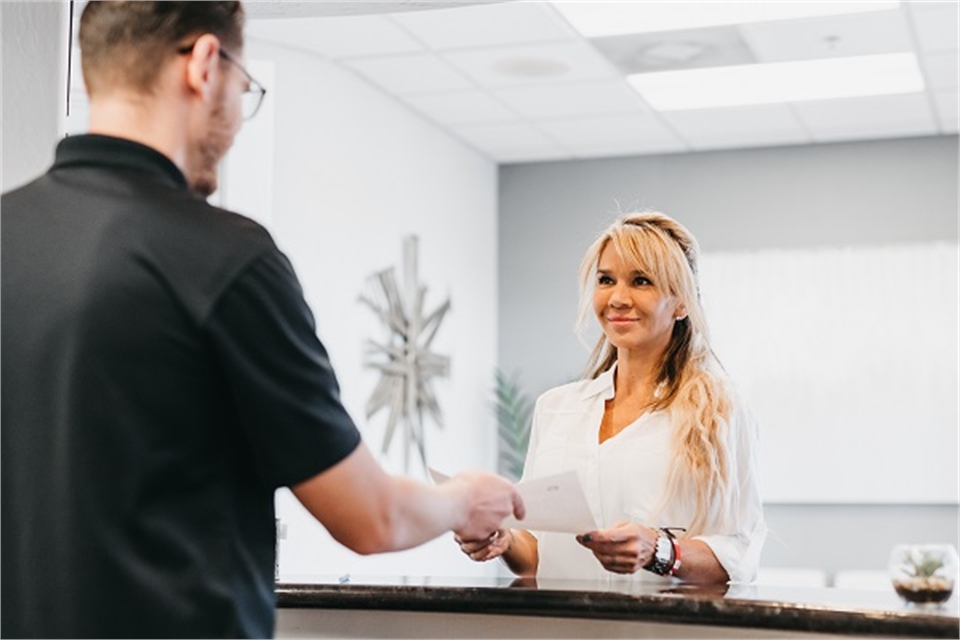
[{"x": 624, "y": 480}]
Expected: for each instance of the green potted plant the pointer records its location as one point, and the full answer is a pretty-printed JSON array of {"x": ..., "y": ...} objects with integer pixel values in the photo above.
[
  {"x": 924, "y": 574},
  {"x": 514, "y": 410}
]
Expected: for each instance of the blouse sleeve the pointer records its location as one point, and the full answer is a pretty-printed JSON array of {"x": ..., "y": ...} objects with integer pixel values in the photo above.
[{"x": 739, "y": 544}]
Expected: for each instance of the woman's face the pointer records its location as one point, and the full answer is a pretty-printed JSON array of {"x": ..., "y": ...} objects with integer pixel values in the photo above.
[{"x": 634, "y": 313}]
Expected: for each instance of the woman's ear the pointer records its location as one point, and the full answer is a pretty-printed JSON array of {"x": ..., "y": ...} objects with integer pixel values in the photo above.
[
  {"x": 680, "y": 313},
  {"x": 203, "y": 65}
]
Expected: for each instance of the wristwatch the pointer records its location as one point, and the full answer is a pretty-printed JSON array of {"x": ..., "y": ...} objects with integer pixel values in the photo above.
[{"x": 666, "y": 555}]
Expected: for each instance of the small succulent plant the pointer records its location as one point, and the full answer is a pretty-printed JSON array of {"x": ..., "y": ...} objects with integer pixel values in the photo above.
[{"x": 922, "y": 564}]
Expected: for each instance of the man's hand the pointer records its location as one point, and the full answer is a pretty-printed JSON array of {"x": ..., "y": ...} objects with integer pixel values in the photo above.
[
  {"x": 488, "y": 500},
  {"x": 369, "y": 511}
]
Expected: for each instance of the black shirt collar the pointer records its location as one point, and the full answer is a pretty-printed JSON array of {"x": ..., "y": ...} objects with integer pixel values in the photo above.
[{"x": 100, "y": 150}]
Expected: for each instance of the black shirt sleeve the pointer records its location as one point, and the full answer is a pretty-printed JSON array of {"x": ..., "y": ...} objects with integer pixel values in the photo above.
[{"x": 284, "y": 387}]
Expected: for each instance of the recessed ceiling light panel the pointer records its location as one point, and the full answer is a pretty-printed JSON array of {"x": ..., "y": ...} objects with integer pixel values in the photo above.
[{"x": 770, "y": 83}]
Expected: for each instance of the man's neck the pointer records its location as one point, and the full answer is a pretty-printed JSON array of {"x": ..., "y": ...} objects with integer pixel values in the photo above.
[{"x": 149, "y": 124}]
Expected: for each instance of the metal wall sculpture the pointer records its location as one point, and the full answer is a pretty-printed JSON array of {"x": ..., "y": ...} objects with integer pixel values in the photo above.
[{"x": 405, "y": 361}]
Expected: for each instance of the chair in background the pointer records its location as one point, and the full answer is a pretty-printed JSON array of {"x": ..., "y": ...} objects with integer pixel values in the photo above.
[{"x": 857, "y": 579}]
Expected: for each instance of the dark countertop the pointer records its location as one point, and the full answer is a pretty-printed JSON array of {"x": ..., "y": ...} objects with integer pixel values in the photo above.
[{"x": 822, "y": 610}]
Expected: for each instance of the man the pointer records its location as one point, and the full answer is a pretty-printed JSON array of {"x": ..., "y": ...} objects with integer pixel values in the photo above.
[{"x": 162, "y": 375}]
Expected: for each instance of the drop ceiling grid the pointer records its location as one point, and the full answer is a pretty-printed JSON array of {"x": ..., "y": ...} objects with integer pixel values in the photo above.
[
  {"x": 760, "y": 125},
  {"x": 438, "y": 63},
  {"x": 339, "y": 37},
  {"x": 538, "y": 131},
  {"x": 472, "y": 31},
  {"x": 595, "y": 92},
  {"x": 812, "y": 38},
  {"x": 870, "y": 117},
  {"x": 933, "y": 27},
  {"x": 946, "y": 104},
  {"x": 486, "y": 26},
  {"x": 470, "y": 40},
  {"x": 936, "y": 24},
  {"x": 860, "y": 38}
]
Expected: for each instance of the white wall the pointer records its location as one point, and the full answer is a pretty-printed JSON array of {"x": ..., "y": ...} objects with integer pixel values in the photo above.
[
  {"x": 353, "y": 174},
  {"x": 848, "y": 356},
  {"x": 34, "y": 38}
]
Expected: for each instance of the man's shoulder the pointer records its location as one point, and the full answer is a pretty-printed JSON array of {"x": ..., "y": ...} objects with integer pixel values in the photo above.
[
  {"x": 225, "y": 222},
  {"x": 22, "y": 193},
  {"x": 180, "y": 225}
]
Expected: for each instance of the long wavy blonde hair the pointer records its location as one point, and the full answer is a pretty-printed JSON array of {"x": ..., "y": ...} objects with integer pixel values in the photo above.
[{"x": 692, "y": 384}]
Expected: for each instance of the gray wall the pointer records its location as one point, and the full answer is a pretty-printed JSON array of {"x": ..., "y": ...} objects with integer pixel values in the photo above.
[
  {"x": 34, "y": 38},
  {"x": 861, "y": 193}
]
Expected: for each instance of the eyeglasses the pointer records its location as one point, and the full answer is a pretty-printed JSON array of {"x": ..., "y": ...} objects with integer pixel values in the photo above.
[{"x": 252, "y": 97}]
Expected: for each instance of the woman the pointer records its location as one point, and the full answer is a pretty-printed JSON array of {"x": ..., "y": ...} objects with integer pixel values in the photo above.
[{"x": 665, "y": 451}]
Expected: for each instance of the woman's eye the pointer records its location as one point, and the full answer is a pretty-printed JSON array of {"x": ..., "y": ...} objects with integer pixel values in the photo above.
[
  {"x": 640, "y": 281},
  {"x": 604, "y": 279}
]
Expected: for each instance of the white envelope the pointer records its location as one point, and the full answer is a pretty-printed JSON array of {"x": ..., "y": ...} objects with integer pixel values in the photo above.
[{"x": 554, "y": 503}]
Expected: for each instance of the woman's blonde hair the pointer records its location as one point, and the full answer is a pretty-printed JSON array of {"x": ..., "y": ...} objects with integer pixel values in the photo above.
[{"x": 691, "y": 382}]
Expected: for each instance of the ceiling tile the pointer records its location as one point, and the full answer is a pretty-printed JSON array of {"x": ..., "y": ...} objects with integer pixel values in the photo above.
[
  {"x": 638, "y": 133},
  {"x": 606, "y": 96},
  {"x": 940, "y": 70},
  {"x": 946, "y": 105},
  {"x": 336, "y": 37},
  {"x": 461, "y": 107},
  {"x": 532, "y": 64},
  {"x": 408, "y": 74},
  {"x": 494, "y": 25},
  {"x": 858, "y": 118},
  {"x": 511, "y": 142},
  {"x": 935, "y": 24},
  {"x": 844, "y": 35},
  {"x": 738, "y": 126}
]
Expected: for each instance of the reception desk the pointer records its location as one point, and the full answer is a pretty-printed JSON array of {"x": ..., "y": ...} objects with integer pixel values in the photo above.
[{"x": 524, "y": 608}]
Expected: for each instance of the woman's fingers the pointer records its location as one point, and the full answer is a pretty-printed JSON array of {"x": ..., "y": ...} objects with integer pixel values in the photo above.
[
  {"x": 626, "y": 547},
  {"x": 620, "y": 548},
  {"x": 486, "y": 549},
  {"x": 620, "y": 563}
]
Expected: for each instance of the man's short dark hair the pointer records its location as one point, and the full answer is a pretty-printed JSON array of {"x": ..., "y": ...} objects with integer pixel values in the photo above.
[{"x": 124, "y": 44}]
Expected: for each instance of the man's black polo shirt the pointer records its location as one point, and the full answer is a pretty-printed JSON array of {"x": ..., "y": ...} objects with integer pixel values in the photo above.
[{"x": 161, "y": 377}]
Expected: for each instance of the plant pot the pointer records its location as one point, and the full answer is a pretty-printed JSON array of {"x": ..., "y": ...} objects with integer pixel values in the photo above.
[{"x": 924, "y": 575}]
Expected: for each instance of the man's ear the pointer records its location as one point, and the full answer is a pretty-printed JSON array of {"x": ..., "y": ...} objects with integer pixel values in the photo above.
[{"x": 203, "y": 65}]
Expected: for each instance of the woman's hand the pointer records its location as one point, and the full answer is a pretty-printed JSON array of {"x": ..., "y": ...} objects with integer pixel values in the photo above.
[
  {"x": 626, "y": 547},
  {"x": 489, "y": 548}
]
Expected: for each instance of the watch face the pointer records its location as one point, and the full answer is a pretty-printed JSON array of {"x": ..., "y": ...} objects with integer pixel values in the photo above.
[{"x": 664, "y": 547}]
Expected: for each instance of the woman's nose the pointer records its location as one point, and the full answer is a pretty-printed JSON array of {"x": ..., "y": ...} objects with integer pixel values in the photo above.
[{"x": 619, "y": 297}]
